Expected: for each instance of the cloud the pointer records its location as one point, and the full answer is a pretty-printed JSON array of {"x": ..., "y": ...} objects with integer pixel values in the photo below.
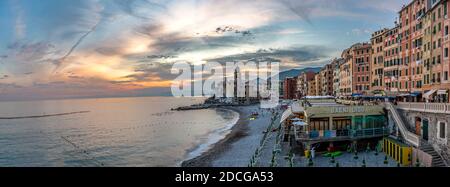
[
  {"x": 299, "y": 55},
  {"x": 308, "y": 10},
  {"x": 359, "y": 32},
  {"x": 61, "y": 61},
  {"x": 19, "y": 25}
]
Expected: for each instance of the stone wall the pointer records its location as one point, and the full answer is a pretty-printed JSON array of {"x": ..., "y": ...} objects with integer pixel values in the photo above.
[{"x": 442, "y": 146}]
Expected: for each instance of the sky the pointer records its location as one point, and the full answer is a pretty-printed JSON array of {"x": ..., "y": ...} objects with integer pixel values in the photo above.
[{"x": 53, "y": 49}]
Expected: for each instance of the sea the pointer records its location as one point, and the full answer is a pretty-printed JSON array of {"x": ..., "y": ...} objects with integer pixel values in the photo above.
[{"x": 108, "y": 132}]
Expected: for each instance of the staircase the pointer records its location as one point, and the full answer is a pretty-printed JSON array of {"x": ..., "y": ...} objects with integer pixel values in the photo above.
[
  {"x": 414, "y": 139},
  {"x": 410, "y": 137},
  {"x": 437, "y": 160}
]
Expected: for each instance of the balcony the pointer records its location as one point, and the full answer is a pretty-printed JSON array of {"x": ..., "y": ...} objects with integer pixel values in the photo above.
[{"x": 335, "y": 135}]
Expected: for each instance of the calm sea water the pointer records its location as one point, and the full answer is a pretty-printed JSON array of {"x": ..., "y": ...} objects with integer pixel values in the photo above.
[{"x": 116, "y": 132}]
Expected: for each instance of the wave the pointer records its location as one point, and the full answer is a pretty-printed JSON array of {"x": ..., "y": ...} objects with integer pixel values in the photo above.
[{"x": 214, "y": 137}]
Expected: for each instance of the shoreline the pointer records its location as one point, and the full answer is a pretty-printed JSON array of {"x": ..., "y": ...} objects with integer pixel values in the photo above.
[{"x": 238, "y": 131}]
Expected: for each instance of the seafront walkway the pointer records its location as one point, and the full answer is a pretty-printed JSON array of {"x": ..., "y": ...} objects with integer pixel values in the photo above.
[{"x": 241, "y": 151}]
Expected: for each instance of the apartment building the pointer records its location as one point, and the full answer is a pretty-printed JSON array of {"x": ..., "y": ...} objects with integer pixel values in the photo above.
[
  {"x": 319, "y": 86},
  {"x": 336, "y": 76},
  {"x": 345, "y": 74},
  {"x": 411, "y": 33},
  {"x": 290, "y": 88},
  {"x": 302, "y": 83},
  {"x": 361, "y": 68},
  {"x": 312, "y": 87},
  {"x": 377, "y": 64},
  {"x": 326, "y": 75},
  {"x": 396, "y": 72}
]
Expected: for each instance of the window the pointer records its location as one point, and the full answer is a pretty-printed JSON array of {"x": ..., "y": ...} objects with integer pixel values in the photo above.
[
  {"x": 446, "y": 52},
  {"x": 442, "y": 130},
  {"x": 446, "y": 75}
]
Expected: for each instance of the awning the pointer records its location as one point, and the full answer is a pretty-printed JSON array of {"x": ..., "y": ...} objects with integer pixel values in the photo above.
[
  {"x": 356, "y": 95},
  {"x": 442, "y": 92},
  {"x": 296, "y": 119},
  {"x": 404, "y": 95},
  {"x": 415, "y": 94},
  {"x": 428, "y": 94},
  {"x": 286, "y": 115}
]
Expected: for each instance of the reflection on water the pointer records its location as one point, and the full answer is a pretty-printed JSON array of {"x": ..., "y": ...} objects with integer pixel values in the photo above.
[{"x": 116, "y": 132}]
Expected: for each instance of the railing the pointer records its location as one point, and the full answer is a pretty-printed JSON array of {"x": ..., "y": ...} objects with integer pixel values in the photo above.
[
  {"x": 331, "y": 134},
  {"x": 409, "y": 136},
  {"x": 442, "y": 108}
]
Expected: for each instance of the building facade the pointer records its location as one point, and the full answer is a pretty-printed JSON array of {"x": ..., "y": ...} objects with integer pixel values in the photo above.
[
  {"x": 361, "y": 68},
  {"x": 396, "y": 72},
  {"x": 312, "y": 87},
  {"x": 345, "y": 74},
  {"x": 319, "y": 86},
  {"x": 290, "y": 88},
  {"x": 326, "y": 75},
  {"x": 336, "y": 76},
  {"x": 377, "y": 64}
]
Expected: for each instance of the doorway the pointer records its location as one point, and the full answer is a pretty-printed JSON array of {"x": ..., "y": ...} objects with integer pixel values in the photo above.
[
  {"x": 418, "y": 123},
  {"x": 425, "y": 129}
]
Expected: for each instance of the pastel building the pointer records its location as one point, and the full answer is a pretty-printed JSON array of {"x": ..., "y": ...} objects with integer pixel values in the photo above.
[
  {"x": 377, "y": 64},
  {"x": 361, "y": 54},
  {"x": 345, "y": 74},
  {"x": 396, "y": 71}
]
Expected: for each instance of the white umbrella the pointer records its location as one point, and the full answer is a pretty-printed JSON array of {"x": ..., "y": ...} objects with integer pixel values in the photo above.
[
  {"x": 299, "y": 123},
  {"x": 296, "y": 119}
]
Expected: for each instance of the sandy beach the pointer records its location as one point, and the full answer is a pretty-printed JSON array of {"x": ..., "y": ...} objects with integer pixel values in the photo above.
[{"x": 236, "y": 149}]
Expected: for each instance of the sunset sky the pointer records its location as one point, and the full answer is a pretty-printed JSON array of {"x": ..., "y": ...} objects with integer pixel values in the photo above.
[{"x": 99, "y": 48}]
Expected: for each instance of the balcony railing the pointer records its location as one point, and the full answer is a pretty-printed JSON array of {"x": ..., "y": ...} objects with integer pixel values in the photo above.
[
  {"x": 342, "y": 134},
  {"x": 442, "y": 108}
]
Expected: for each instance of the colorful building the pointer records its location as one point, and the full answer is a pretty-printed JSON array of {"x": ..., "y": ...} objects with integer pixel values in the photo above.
[
  {"x": 302, "y": 83},
  {"x": 345, "y": 74},
  {"x": 396, "y": 72},
  {"x": 290, "y": 88},
  {"x": 377, "y": 64},
  {"x": 361, "y": 68},
  {"x": 326, "y": 75}
]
